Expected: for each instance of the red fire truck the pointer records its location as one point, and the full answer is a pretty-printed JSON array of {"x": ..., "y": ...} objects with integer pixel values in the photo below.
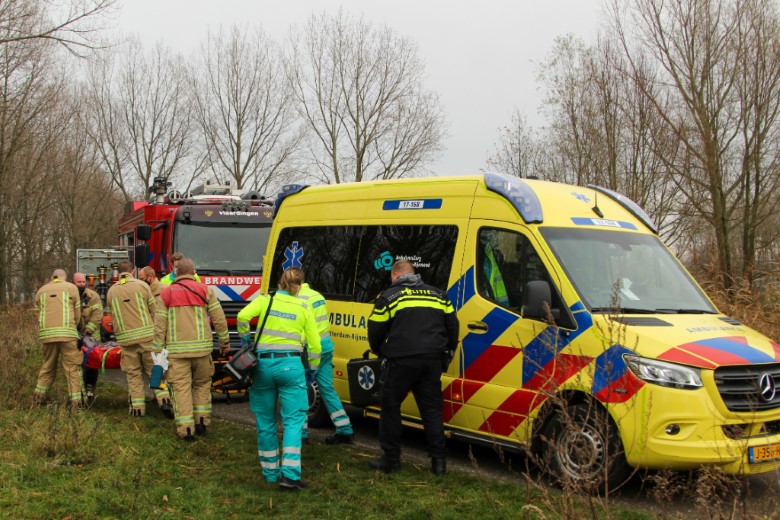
[{"x": 224, "y": 232}]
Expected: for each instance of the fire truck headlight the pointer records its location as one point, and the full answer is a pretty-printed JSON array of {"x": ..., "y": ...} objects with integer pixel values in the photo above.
[{"x": 664, "y": 374}]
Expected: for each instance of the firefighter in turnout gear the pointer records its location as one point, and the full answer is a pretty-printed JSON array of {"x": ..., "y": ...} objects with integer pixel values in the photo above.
[
  {"x": 132, "y": 308},
  {"x": 281, "y": 376},
  {"x": 182, "y": 326},
  {"x": 89, "y": 326},
  {"x": 59, "y": 312},
  {"x": 324, "y": 375},
  {"x": 415, "y": 329}
]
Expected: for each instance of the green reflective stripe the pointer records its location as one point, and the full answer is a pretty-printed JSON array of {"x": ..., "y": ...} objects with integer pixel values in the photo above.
[
  {"x": 281, "y": 334},
  {"x": 41, "y": 389},
  {"x": 158, "y": 346},
  {"x": 190, "y": 346},
  {"x": 42, "y": 311},
  {"x": 76, "y": 396},
  {"x": 91, "y": 327},
  {"x": 142, "y": 309},
  {"x": 136, "y": 334},
  {"x": 184, "y": 419},
  {"x": 116, "y": 314},
  {"x": 276, "y": 347},
  {"x": 213, "y": 306},
  {"x": 202, "y": 409},
  {"x": 199, "y": 322},
  {"x": 161, "y": 393},
  {"x": 224, "y": 334},
  {"x": 172, "y": 324},
  {"x": 135, "y": 401},
  {"x": 161, "y": 312},
  {"x": 65, "y": 308},
  {"x": 57, "y": 332},
  {"x": 95, "y": 307}
]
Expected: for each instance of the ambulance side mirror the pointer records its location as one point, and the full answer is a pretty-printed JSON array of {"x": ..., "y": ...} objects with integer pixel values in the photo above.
[{"x": 538, "y": 300}]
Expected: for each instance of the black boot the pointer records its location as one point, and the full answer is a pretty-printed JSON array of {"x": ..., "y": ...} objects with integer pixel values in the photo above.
[
  {"x": 200, "y": 428},
  {"x": 340, "y": 438},
  {"x": 386, "y": 464},
  {"x": 167, "y": 409},
  {"x": 439, "y": 466},
  {"x": 189, "y": 437}
]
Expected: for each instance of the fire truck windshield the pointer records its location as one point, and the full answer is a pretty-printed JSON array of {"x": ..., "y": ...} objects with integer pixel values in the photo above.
[{"x": 223, "y": 248}]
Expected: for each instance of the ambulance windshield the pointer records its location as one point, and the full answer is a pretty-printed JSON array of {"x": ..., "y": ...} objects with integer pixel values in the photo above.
[
  {"x": 223, "y": 248},
  {"x": 615, "y": 271}
]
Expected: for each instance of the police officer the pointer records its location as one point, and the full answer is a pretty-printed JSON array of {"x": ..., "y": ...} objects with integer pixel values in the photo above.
[
  {"x": 89, "y": 325},
  {"x": 59, "y": 311},
  {"x": 414, "y": 327},
  {"x": 132, "y": 308},
  {"x": 324, "y": 375},
  {"x": 281, "y": 375},
  {"x": 182, "y": 325}
]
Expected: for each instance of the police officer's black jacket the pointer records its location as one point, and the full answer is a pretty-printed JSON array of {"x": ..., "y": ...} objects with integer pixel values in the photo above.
[{"x": 411, "y": 318}]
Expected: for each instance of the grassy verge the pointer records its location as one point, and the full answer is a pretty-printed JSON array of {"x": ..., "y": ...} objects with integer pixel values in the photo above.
[{"x": 103, "y": 464}]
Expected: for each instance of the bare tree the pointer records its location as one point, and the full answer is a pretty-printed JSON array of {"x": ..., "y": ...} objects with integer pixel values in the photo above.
[
  {"x": 703, "y": 50},
  {"x": 244, "y": 109},
  {"x": 139, "y": 117},
  {"x": 73, "y": 24},
  {"x": 519, "y": 151},
  {"x": 359, "y": 89}
]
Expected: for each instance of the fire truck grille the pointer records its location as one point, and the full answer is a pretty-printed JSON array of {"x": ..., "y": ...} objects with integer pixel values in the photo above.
[
  {"x": 232, "y": 308},
  {"x": 749, "y": 388}
]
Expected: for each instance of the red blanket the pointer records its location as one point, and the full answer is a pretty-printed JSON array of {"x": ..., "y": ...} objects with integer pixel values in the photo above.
[{"x": 102, "y": 356}]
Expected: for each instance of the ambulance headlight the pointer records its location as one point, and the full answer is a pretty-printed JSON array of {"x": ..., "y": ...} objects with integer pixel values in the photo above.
[{"x": 662, "y": 373}]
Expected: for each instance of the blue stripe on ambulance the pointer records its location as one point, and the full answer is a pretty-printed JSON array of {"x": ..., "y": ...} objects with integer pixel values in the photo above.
[{"x": 230, "y": 293}]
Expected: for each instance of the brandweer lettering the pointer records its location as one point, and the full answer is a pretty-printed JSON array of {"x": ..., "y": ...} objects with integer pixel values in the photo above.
[{"x": 231, "y": 280}]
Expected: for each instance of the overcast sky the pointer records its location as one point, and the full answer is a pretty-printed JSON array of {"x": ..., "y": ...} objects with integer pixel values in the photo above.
[{"x": 481, "y": 59}]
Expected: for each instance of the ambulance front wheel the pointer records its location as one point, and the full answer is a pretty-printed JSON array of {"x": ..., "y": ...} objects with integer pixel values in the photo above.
[
  {"x": 584, "y": 450},
  {"x": 318, "y": 413}
]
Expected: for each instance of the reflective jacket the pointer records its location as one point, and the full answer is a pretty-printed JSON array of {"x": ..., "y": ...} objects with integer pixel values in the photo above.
[
  {"x": 132, "y": 308},
  {"x": 290, "y": 325},
  {"x": 155, "y": 287},
  {"x": 185, "y": 313},
  {"x": 319, "y": 309},
  {"x": 411, "y": 318},
  {"x": 170, "y": 277},
  {"x": 59, "y": 311},
  {"x": 91, "y": 312}
]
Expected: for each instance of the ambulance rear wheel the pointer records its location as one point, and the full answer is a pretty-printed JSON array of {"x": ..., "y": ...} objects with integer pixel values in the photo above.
[
  {"x": 584, "y": 450},
  {"x": 318, "y": 413}
]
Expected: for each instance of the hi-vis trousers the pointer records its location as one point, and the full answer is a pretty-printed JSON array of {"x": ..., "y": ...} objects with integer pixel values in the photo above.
[
  {"x": 324, "y": 379},
  {"x": 137, "y": 360},
  {"x": 189, "y": 380},
  {"x": 71, "y": 365},
  {"x": 282, "y": 378}
]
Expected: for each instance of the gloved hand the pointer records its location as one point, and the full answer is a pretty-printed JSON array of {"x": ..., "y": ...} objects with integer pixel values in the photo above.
[
  {"x": 161, "y": 359},
  {"x": 310, "y": 376},
  {"x": 246, "y": 340}
]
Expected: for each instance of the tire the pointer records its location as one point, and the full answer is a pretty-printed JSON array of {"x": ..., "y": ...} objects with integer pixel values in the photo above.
[
  {"x": 318, "y": 416},
  {"x": 584, "y": 451}
]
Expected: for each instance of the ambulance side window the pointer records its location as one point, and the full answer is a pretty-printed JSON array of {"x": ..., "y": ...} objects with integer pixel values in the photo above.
[
  {"x": 430, "y": 249},
  {"x": 506, "y": 262},
  {"x": 327, "y": 254}
]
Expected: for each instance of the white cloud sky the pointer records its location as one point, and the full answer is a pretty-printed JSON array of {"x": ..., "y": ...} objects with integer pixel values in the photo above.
[{"x": 481, "y": 56}]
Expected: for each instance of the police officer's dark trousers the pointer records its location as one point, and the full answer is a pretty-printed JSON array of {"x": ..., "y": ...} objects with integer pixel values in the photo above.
[{"x": 421, "y": 376}]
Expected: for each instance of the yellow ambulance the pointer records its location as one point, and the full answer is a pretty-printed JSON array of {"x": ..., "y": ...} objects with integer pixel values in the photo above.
[{"x": 583, "y": 339}]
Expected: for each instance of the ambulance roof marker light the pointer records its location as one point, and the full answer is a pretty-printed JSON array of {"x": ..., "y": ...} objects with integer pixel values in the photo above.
[
  {"x": 287, "y": 190},
  {"x": 518, "y": 193},
  {"x": 631, "y": 206}
]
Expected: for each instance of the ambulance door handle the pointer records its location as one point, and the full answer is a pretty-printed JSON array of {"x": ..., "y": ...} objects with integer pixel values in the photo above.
[{"x": 479, "y": 326}]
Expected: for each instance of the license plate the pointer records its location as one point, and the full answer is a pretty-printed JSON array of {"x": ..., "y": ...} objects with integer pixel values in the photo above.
[{"x": 764, "y": 453}]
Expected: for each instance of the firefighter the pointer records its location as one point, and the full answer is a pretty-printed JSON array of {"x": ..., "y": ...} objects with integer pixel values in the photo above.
[
  {"x": 132, "y": 309},
  {"x": 148, "y": 275},
  {"x": 324, "y": 375},
  {"x": 415, "y": 329},
  {"x": 170, "y": 277},
  {"x": 89, "y": 326},
  {"x": 59, "y": 312},
  {"x": 281, "y": 376},
  {"x": 182, "y": 326}
]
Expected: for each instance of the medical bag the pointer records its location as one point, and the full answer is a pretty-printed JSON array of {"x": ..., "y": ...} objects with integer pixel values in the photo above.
[{"x": 365, "y": 380}]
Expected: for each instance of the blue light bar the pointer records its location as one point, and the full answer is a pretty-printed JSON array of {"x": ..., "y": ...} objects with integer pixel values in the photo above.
[
  {"x": 631, "y": 206},
  {"x": 517, "y": 192},
  {"x": 287, "y": 190}
]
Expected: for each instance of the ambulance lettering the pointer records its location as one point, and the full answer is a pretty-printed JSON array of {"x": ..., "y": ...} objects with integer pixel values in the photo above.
[{"x": 340, "y": 319}]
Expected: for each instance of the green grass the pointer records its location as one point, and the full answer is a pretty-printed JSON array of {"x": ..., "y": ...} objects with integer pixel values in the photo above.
[{"x": 101, "y": 463}]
